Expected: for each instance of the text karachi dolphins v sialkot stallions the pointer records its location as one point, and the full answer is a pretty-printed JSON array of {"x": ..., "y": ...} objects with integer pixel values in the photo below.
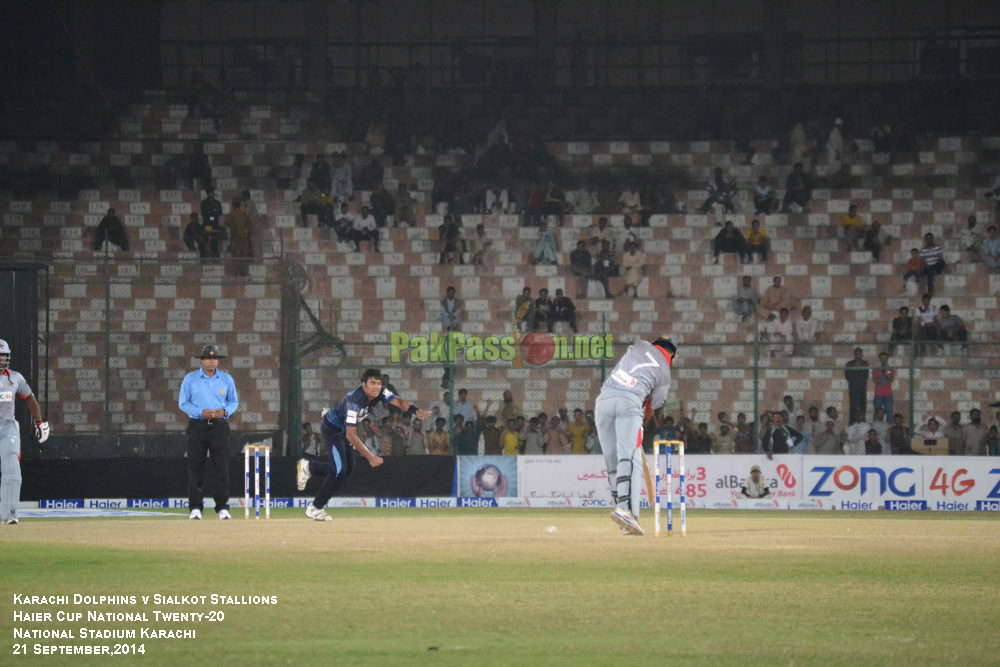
[{"x": 215, "y": 598}]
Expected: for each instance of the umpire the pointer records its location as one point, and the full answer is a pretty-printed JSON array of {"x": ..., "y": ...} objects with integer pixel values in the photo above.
[{"x": 209, "y": 398}]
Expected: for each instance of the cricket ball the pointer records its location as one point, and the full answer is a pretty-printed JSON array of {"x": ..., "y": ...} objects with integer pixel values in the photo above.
[{"x": 537, "y": 348}]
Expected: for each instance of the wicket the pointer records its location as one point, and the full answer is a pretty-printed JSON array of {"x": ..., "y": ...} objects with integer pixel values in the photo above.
[
  {"x": 256, "y": 480},
  {"x": 668, "y": 445}
]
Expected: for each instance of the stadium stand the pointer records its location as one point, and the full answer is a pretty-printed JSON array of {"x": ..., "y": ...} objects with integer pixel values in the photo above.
[{"x": 161, "y": 289}]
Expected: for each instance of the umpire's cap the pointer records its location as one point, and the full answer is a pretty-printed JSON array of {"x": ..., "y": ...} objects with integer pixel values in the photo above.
[
  {"x": 211, "y": 352},
  {"x": 667, "y": 344}
]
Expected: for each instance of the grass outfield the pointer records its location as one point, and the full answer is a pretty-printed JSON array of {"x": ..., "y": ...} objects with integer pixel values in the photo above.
[{"x": 490, "y": 587}]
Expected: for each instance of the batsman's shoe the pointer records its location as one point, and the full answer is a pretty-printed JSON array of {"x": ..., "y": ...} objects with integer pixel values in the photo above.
[
  {"x": 10, "y": 521},
  {"x": 625, "y": 519},
  {"x": 195, "y": 515},
  {"x": 316, "y": 514},
  {"x": 224, "y": 515},
  {"x": 302, "y": 474}
]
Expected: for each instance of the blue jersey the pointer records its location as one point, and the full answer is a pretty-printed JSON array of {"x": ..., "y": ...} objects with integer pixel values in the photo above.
[{"x": 353, "y": 408}]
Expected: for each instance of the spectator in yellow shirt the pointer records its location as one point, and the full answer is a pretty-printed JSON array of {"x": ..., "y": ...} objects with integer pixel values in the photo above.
[
  {"x": 630, "y": 200},
  {"x": 511, "y": 439},
  {"x": 438, "y": 442},
  {"x": 851, "y": 223},
  {"x": 578, "y": 431},
  {"x": 757, "y": 242}
]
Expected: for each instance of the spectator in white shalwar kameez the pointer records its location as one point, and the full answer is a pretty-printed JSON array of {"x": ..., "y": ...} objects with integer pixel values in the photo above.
[
  {"x": 835, "y": 149},
  {"x": 856, "y": 434},
  {"x": 746, "y": 299},
  {"x": 806, "y": 331},
  {"x": 545, "y": 247},
  {"x": 451, "y": 311},
  {"x": 779, "y": 333}
]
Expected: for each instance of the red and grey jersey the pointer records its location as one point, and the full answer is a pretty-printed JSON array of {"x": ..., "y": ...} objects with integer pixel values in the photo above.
[
  {"x": 642, "y": 373},
  {"x": 12, "y": 384},
  {"x": 354, "y": 408}
]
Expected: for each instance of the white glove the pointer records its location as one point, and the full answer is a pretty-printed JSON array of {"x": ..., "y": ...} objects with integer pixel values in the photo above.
[{"x": 42, "y": 431}]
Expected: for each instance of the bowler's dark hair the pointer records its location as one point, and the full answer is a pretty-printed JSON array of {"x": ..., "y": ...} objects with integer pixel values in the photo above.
[{"x": 370, "y": 374}]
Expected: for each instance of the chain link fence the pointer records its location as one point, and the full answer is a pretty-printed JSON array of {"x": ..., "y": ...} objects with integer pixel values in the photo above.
[
  {"x": 708, "y": 379},
  {"x": 122, "y": 336}
]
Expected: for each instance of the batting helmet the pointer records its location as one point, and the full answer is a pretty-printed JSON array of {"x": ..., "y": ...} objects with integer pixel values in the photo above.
[
  {"x": 4, "y": 355},
  {"x": 667, "y": 344}
]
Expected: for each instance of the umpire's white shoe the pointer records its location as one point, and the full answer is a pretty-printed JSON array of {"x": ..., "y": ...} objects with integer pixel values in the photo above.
[
  {"x": 224, "y": 515},
  {"x": 316, "y": 514},
  {"x": 625, "y": 519},
  {"x": 195, "y": 515},
  {"x": 302, "y": 474},
  {"x": 10, "y": 521}
]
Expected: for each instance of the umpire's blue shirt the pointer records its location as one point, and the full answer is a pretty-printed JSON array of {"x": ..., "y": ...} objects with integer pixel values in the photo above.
[{"x": 200, "y": 392}]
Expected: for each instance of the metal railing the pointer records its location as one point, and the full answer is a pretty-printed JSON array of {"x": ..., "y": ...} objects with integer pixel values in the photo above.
[{"x": 514, "y": 64}]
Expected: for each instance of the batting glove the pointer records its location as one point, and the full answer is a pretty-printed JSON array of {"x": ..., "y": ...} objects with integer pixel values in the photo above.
[{"x": 41, "y": 431}]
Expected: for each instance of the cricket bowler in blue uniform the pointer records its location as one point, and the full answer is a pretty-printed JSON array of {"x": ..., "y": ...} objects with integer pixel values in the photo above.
[{"x": 340, "y": 429}]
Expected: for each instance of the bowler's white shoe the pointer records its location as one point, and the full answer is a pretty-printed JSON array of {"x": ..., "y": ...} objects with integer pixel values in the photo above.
[
  {"x": 625, "y": 519},
  {"x": 316, "y": 514},
  {"x": 302, "y": 474},
  {"x": 195, "y": 515},
  {"x": 224, "y": 515},
  {"x": 10, "y": 521}
]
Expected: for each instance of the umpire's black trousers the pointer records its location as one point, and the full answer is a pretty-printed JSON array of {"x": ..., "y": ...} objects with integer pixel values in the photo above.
[{"x": 208, "y": 437}]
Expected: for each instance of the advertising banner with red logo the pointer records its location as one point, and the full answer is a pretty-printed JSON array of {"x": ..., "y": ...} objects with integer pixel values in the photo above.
[
  {"x": 708, "y": 479},
  {"x": 715, "y": 481},
  {"x": 799, "y": 482},
  {"x": 946, "y": 483}
]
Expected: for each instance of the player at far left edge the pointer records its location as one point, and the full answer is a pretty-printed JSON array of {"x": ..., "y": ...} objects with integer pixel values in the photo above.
[
  {"x": 640, "y": 379},
  {"x": 12, "y": 382},
  {"x": 339, "y": 429}
]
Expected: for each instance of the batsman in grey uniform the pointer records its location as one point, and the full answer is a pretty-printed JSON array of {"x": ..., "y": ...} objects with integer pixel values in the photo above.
[
  {"x": 640, "y": 381},
  {"x": 13, "y": 383}
]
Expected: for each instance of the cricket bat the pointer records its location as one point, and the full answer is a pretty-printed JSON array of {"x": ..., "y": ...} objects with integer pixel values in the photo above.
[{"x": 648, "y": 478}]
